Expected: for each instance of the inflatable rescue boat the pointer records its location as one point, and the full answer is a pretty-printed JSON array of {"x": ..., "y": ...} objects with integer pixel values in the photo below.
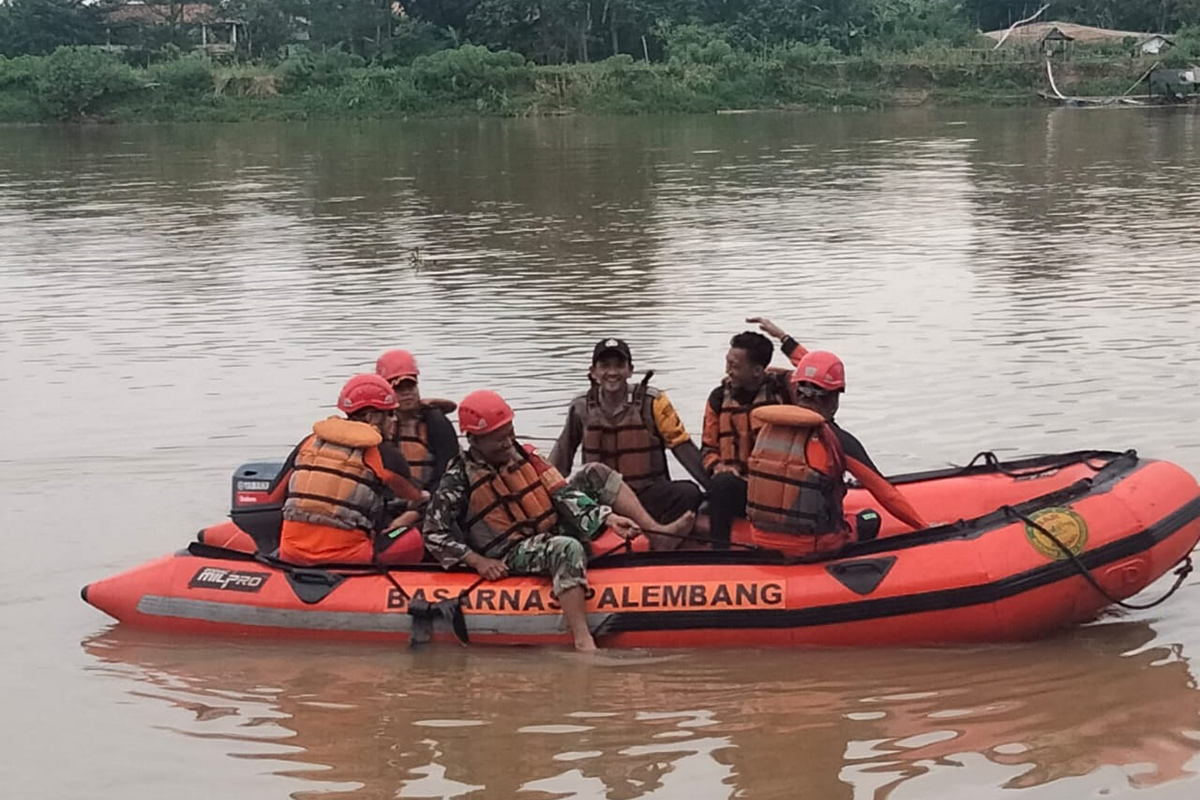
[{"x": 1023, "y": 548}]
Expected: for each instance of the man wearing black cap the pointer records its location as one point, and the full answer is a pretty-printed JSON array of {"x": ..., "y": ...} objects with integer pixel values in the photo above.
[{"x": 628, "y": 428}]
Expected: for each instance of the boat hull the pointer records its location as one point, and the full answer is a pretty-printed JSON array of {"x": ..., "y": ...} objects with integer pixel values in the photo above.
[{"x": 991, "y": 578}]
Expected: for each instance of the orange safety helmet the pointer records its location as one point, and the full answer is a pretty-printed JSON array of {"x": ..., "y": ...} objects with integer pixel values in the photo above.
[
  {"x": 366, "y": 391},
  {"x": 396, "y": 364},
  {"x": 483, "y": 411},
  {"x": 821, "y": 368}
]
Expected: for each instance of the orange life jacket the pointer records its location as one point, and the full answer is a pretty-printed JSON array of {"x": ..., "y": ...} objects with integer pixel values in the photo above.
[
  {"x": 736, "y": 429},
  {"x": 331, "y": 484},
  {"x": 795, "y": 480},
  {"x": 629, "y": 443},
  {"x": 412, "y": 437},
  {"x": 512, "y": 500}
]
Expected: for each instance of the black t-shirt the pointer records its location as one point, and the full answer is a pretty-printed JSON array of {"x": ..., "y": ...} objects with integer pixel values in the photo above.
[
  {"x": 443, "y": 443},
  {"x": 853, "y": 448}
]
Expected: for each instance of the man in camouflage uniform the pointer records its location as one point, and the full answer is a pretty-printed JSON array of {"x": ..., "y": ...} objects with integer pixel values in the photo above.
[
  {"x": 501, "y": 509},
  {"x": 558, "y": 553}
]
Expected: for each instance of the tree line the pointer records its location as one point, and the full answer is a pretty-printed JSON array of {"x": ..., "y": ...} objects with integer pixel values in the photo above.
[{"x": 561, "y": 31}]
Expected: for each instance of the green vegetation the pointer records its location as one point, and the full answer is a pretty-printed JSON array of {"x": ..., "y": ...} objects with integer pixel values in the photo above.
[{"x": 71, "y": 60}]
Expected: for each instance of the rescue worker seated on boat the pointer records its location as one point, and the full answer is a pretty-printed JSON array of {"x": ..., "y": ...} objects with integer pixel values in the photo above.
[
  {"x": 797, "y": 470},
  {"x": 342, "y": 477},
  {"x": 424, "y": 435},
  {"x": 501, "y": 509},
  {"x": 729, "y": 432},
  {"x": 628, "y": 428}
]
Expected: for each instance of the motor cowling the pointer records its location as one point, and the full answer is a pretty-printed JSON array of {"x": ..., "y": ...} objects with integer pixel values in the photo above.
[{"x": 256, "y": 503}]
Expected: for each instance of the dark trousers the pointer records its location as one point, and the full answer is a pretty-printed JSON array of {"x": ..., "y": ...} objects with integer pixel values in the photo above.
[
  {"x": 667, "y": 501},
  {"x": 726, "y": 502}
]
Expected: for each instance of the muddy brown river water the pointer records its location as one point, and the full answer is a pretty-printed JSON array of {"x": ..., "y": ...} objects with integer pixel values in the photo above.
[{"x": 178, "y": 300}]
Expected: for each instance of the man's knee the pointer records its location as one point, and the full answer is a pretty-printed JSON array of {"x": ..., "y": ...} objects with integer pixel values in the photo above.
[
  {"x": 595, "y": 471},
  {"x": 600, "y": 481},
  {"x": 689, "y": 494}
]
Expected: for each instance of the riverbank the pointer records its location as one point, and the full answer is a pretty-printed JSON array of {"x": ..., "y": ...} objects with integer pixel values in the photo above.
[{"x": 89, "y": 84}]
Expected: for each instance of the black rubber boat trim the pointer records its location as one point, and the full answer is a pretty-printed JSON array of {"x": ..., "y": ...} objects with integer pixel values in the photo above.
[{"x": 1034, "y": 465}]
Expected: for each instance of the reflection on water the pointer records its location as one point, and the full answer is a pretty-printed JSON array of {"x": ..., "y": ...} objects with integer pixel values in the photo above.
[
  {"x": 180, "y": 299},
  {"x": 487, "y": 723}
]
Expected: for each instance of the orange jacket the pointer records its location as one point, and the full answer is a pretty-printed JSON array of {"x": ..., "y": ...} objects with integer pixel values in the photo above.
[
  {"x": 729, "y": 433},
  {"x": 336, "y": 498},
  {"x": 794, "y": 481}
]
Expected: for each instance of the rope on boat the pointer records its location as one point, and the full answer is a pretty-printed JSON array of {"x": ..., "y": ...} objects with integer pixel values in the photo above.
[
  {"x": 685, "y": 537},
  {"x": 992, "y": 461},
  {"x": 1181, "y": 572},
  {"x": 625, "y": 545}
]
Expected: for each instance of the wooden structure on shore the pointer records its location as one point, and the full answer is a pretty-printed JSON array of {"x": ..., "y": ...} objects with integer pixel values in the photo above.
[
  {"x": 1167, "y": 87},
  {"x": 1035, "y": 34},
  {"x": 210, "y": 30}
]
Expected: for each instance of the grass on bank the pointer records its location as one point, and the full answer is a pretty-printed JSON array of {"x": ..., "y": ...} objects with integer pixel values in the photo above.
[{"x": 79, "y": 83}]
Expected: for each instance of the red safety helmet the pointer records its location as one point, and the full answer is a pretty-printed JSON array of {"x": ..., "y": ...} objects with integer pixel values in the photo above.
[
  {"x": 396, "y": 364},
  {"x": 483, "y": 411},
  {"x": 366, "y": 391},
  {"x": 821, "y": 368}
]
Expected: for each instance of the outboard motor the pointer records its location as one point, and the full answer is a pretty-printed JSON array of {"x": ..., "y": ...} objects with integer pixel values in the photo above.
[{"x": 257, "y": 502}]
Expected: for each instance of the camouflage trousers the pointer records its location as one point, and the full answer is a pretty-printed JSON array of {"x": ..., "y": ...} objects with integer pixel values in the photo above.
[
  {"x": 587, "y": 502},
  {"x": 558, "y": 554},
  {"x": 561, "y": 558}
]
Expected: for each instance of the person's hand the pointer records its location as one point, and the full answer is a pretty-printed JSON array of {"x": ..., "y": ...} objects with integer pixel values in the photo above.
[
  {"x": 726, "y": 469},
  {"x": 769, "y": 328},
  {"x": 490, "y": 569},
  {"x": 622, "y": 526},
  {"x": 405, "y": 520}
]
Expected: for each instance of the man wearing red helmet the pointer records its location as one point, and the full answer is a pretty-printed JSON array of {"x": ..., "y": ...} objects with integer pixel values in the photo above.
[
  {"x": 342, "y": 477},
  {"x": 819, "y": 381},
  {"x": 423, "y": 434},
  {"x": 500, "y": 509}
]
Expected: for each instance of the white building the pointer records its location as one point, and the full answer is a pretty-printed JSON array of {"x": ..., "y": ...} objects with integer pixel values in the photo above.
[{"x": 1155, "y": 44}]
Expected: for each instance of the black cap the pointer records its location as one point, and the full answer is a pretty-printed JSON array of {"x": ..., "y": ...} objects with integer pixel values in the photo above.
[{"x": 611, "y": 346}]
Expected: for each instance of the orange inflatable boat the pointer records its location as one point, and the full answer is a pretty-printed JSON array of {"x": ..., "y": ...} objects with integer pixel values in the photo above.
[{"x": 1023, "y": 548}]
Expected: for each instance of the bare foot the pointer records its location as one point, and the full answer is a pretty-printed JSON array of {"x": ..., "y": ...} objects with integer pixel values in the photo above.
[
  {"x": 683, "y": 525},
  {"x": 586, "y": 644},
  {"x": 674, "y": 532},
  {"x": 700, "y": 535}
]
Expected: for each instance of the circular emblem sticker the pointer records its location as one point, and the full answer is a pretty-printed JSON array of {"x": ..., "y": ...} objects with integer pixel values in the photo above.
[{"x": 1066, "y": 525}]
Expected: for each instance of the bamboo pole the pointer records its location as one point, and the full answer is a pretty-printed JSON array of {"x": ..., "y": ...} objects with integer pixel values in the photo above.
[{"x": 1013, "y": 27}]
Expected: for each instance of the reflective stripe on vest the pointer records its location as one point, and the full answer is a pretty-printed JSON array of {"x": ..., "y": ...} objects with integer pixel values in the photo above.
[
  {"x": 508, "y": 500},
  {"x": 629, "y": 443},
  {"x": 787, "y": 491},
  {"x": 332, "y": 485},
  {"x": 736, "y": 431}
]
